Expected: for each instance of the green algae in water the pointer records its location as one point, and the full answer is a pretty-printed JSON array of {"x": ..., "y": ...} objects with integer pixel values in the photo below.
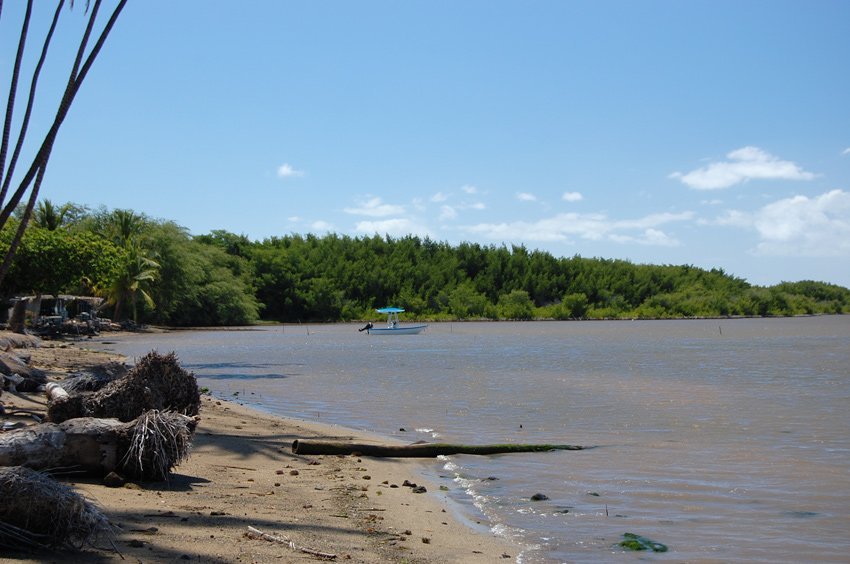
[{"x": 637, "y": 542}]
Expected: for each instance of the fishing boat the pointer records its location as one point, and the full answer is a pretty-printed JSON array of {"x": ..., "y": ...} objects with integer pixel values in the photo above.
[{"x": 393, "y": 326}]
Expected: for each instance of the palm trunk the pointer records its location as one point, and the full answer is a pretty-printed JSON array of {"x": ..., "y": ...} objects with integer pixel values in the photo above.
[
  {"x": 17, "y": 321},
  {"x": 19, "y": 234},
  {"x": 116, "y": 314},
  {"x": 13, "y": 89},
  {"x": 75, "y": 81},
  {"x": 425, "y": 450},
  {"x": 7, "y": 178},
  {"x": 147, "y": 447}
]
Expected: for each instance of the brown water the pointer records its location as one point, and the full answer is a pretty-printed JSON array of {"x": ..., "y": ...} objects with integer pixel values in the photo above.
[{"x": 725, "y": 440}]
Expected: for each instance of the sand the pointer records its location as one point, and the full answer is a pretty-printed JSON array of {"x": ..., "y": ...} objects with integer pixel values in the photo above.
[{"x": 241, "y": 473}]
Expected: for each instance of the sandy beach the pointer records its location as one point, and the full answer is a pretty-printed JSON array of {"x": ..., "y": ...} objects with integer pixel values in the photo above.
[{"x": 241, "y": 474}]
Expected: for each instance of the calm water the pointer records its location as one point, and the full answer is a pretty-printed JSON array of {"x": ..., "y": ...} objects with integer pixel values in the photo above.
[{"x": 725, "y": 440}]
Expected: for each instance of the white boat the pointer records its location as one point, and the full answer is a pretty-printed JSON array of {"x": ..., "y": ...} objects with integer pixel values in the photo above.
[{"x": 393, "y": 326}]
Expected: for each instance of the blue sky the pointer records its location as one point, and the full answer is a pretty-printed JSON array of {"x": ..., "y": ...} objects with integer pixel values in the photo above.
[{"x": 712, "y": 133}]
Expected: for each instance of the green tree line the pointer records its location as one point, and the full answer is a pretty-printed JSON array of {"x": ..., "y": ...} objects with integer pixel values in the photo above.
[
  {"x": 153, "y": 271},
  {"x": 149, "y": 271}
]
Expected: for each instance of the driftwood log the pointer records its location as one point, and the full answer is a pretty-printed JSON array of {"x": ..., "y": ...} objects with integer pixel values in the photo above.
[
  {"x": 9, "y": 341},
  {"x": 423, "y": 450},
  {"x": 15, "y": 372},
  {"x": 146, "y": 448},
  {"x": 28, "y": 378}
]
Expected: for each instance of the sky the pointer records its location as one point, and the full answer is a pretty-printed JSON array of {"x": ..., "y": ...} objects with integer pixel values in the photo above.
[{"x": 709, "y": 133}]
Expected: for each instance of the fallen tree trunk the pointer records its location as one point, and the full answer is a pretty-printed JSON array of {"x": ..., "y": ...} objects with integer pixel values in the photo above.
[
  {"x": 424, "y": 450},
  {"x": 55, "y": 392},
  {"x": 146, "y": 448},
  {"x": 32, "y": 378},
  {"x": 9, "y": 341}
]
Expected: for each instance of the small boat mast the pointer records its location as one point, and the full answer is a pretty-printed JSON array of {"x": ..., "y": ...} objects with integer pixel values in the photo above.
[{"x": 392, "y": 315}]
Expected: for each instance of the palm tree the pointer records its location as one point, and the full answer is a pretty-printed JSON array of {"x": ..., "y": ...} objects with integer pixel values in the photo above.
[
  {"x": 138, "y": 270},
  {"x": 122, "y": 227},
  {"x": 32, "y": 179},
  {"x": 47, "y": 216}
]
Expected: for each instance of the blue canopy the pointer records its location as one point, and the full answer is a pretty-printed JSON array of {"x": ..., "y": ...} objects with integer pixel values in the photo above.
[{"x": 390, "y": 310}]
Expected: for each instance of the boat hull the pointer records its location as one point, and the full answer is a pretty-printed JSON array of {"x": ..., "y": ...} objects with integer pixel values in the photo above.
[{"x": 407, "y": 330}]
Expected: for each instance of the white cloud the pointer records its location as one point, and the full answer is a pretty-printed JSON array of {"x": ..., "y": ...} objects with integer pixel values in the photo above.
[
  {"x": 477, "y": 206},
  {"x": 439, "y": 197},
  {"x": 658, "y": 239},
  {"x": 469, "y": 189},
  {"x": 393, "y": 227},
  {"x": 799, "y": 226},
  {"x": 286, "y": 170},
  {"x": 818, "y": 226},
  {"x": 593, "y": 226},
  {"x": 519, "y": 231},
  {"x": 447, "y": 212},
  {"x": 322, "y": 226},
  {"x": 375, "y": 207},
  {"x": 526, "y": 197},
  {"x": 744, "y": 164},
  {"x": 649, "y": 237},
  {"x": 733, "y": 218},
  {"x": 846, "y": 151},
  {"x": 652, "y": 220},
  {"x": 572, "y": 197}
]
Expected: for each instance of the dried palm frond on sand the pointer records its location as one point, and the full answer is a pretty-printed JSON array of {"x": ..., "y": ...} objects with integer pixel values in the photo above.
[
  {"x": 39, "y": 512},
  {"x": 159, "y": 441},
  {"x": 94, "y": 378}
]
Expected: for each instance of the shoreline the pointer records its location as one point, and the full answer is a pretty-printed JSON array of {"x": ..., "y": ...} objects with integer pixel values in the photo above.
[
  {"x": 262, "y": 325},
  {"x": 241, "y": 473}
]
